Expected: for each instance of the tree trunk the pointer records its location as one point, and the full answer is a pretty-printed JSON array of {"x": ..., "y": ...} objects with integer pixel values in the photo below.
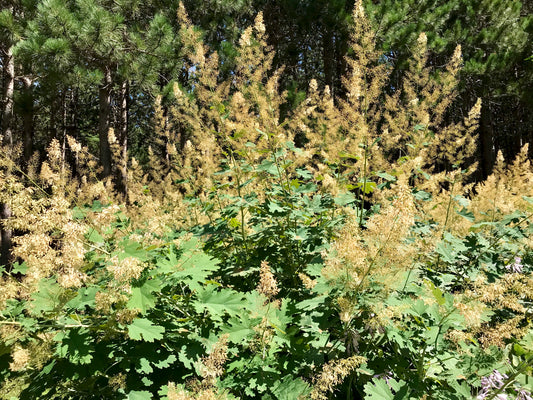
[
  {"x": 103, "y": 126},
  {"x": 54, "y": 111},
  {"x": 123, "y": 138},
  {"x": 27, "y": 118},
  {"x": 9, "y": 88},
  {"x": 64, "y": 114},
  {"x": 487, "y": 141},
  {"x": 341, "y": 48},
  {"x": 7, "y": 139},
  {"x": 6, "y": 235},
  {"x": 328, "y": 56},
  {"x": 73, "y": 128}
]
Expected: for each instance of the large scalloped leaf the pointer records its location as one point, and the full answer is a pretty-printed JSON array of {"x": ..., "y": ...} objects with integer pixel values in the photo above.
[
  {"x": 389, "y": 389},
  {"x": 289, "y": 388},
  {"x": 47, "y": 298},
  {"x": 239, "y": 328},
  {"x": 192, "y": 267},
  {"x": 75, "y": 345},
  {"x": 144, "y": 329},
  {"x": 139, "y": 395},
  {"x": 378, "y": 390},
  {"x": 219, "y": 302},
  {"x": 142, "y": 297}
]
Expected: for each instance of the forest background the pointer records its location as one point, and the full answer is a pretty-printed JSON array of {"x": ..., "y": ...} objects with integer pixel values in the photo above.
[
  {"x": 333, "y": 172},
  {"x": 78, "y": 68}
]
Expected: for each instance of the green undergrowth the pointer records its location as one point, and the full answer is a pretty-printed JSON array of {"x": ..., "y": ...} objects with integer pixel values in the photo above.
[
  {"x": 338, "y": 252},
  {"x": 152, "y": 336}
]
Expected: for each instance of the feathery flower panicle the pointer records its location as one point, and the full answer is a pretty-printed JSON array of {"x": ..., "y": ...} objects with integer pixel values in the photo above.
[
  {"x": 499, "y": 335},
  {"x": 347, "y": 260},
  {"x": 213, "y": 364},
  {"x": 10, "y": 333},
  {"x": 105, "y": 299},
  {"x": 106, "y": 216},
  {"x": 54, "y": 151},
  {"x": 126, "y": 269},
  {"x": 506, "y": 189},
  {"x": 74, "y": 145},
  {"x": 21, "y": 358},
  {"x": 118, "y": 381},
  {"x": 459, "y": 336},
  {"x": 267, "y": 281},
  {"x": 307, "y": 281},
  {"x": 176, "y": 392},
  {"x": 472, "y": 312},
  {"x": 245, "y": 37},
  {"x": 71, "y": 278},
  {"x": 333, "y": 374},
  {"x": 259, "y": 24},
  {"x": 345, "y": 309}
]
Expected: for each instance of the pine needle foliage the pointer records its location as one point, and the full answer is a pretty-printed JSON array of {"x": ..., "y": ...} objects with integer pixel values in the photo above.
[{"x": 338, "y": 250}]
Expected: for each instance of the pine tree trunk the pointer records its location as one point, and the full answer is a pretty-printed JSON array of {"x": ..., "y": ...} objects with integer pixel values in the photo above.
[
  {"x": 52, "y": 128},
  {"x": 487, "y": 141},
  {"x": 328, "y": 57},
  {"x": 64, "y": 114},
  {"x": 73, "y": 128},
  {"x": 341, "y": 48},
  {"x": 27, "y": 118},
  {"x": 7, "y": 139},
  {"x": 123, "y": 137},
  {"x": 5, "y": 236},
  {"x": 103, "y": 126},
  {"x": 9, "y": 88}
]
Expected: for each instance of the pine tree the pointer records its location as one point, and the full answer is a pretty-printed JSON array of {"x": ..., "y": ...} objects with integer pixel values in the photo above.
[{"x": 495, "y": 36}]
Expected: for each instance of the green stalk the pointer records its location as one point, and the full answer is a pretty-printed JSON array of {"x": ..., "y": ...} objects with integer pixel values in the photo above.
[
  {"x": 241, "y": 208},
  {"x": 364, "y": 187},
  {"x": 448, "y": 208}
]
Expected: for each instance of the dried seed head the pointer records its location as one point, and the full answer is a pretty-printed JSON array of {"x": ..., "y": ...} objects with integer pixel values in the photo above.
[
  {"x": 267, "y": 283},
  {"x": 333, "y": 374},
  {"x": 213, "y": 364},
  {"x": 21, "y": 358}
]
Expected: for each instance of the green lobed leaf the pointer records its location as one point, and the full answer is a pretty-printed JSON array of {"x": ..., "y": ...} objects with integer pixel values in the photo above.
[
  {"x": 386, "y": 176},
  {"x": 142, "y": 297},
  {"x": 268, "y": 166},
  {"x": 367, "y": 187},
  {"x": 240, "y": 328},
  {"x": 84, "y": 298},
  {"x": 289, "y": 388},
  {"x": 343, "y": 199},
  {"x": 144, "y": 329},
  {"x": 132, "y": 249},
  {"x": 166, "y": 362},
  {"x": 47, "y": 298},
  {"x": 378, "y": 389},
  {"x": 139, "y": 395},
  {"x": 75, "y": 345},
  {"x": 144, "y": 366},
  {"x": 19, "y": 268},
  {"x": 95, "y": 237},
  {"x": 193, "y": 267},
  {"x": 219, "y": 302}
]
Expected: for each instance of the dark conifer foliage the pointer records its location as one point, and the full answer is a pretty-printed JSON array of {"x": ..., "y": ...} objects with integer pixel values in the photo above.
[{"x": 71, "y": 61}]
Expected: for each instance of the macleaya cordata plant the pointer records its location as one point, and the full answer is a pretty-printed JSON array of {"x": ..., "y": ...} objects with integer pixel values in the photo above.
[{"x": 338, "y": 250}]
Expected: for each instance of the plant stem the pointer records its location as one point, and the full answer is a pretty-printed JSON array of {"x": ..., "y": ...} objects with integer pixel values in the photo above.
[{"x": 363, "y": 191}]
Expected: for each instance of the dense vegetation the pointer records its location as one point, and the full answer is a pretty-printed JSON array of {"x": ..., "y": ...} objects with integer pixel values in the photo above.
[{"x": 257, "y": 239}]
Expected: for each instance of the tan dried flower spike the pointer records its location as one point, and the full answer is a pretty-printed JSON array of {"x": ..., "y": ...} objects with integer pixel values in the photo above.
[
  {"x": 333, "y": 374},
  {"x": 267, "y": 283}
]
